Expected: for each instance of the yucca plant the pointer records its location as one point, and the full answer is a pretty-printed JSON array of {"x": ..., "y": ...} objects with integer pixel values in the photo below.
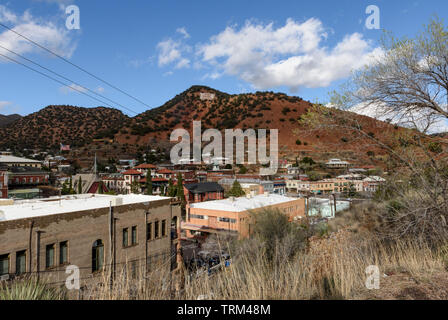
[{"x": 29, "y": 289}]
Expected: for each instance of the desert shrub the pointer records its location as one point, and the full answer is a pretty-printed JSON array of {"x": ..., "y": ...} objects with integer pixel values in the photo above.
[{"x": 29, "y": 289}]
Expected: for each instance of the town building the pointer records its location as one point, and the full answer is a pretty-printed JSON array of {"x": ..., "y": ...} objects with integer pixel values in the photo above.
[
  {"x": 144, "y": 167},
  {"x": 337, "y": 164},
  {"x": 8, "y": 160},
  {"x": 102, "y": 235},
  {"x": 232, "y": 215},
  {"x": 203, "y": 191},
  {"x": 372, "y": 183},
  {"x": 3, "y": 184}
]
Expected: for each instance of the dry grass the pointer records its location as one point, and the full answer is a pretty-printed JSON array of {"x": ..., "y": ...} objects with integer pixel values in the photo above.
[{"x": 332, "y": 267}]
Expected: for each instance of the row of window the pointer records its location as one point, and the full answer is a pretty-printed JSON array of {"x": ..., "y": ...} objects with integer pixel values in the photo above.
[
  {"x": 156, "y": 230},
  {"x": 221, "y": 219},
  {"x": 228, "y": 220},
  {"x": 50, "y": 258},
  {"x": 133, "y": 236},
  {"x": 197, "y": 216}
]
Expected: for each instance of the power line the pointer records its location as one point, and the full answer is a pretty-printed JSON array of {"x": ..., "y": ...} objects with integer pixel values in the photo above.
[
  {"x": 56, "y": 80},
  {"x": 65, "y": 78},
  {"x": 74, "y": 65}
]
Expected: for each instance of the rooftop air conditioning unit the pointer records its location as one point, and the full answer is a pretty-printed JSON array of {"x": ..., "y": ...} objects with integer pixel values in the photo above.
[{"x": 118, "y": 201}]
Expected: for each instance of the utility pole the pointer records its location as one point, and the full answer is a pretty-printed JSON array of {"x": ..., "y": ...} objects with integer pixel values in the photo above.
[{"x": 111, "y": 244}]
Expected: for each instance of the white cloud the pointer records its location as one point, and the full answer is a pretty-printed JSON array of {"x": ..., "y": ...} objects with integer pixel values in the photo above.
[
  {"x": 7, "y": 107},
  {"x": 100, "y": 90},
  {"x": 73, "y": 88},
  {"x": 183, "y": 32},
  {"x": 171, "y": 51},
  {"x": 4, "y": 104},
  {"x": 47, "y": 33},
  {"x": 291, "y": 55}
]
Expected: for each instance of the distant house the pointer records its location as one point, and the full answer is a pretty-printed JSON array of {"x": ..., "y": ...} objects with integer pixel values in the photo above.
[
  {"x": 130, "y": 176},
  {"x": 90, "y": 183},
  {"x": 142, "y": 168},
  {"x": 8, "y": 160},
  {"x": 337, "y": 164},
  {"x": 203, "y": 191},
  {"x": 115, "y": 182},
  {"x": 372, "y": 183},
  {"x": 3, "y": 184}
]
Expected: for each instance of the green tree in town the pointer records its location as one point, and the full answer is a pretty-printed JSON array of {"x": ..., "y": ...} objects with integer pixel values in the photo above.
[
  {"x": 236, "y": 190},
  {"x": 135, "y": 187},
  {"x": 243, "y": 170},
  {"x": 148, "y": 183},
  {"x": 100, "y": 187},
  {"x": 65, "y": 188},
  {"x": 171, "y": 188},
  {"x": 79, "y": 185},
  {"x": 180, "y": 189}
]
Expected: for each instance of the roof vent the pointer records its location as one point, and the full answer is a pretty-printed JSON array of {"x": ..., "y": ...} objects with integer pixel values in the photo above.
[{"x": 118, "y": 201}]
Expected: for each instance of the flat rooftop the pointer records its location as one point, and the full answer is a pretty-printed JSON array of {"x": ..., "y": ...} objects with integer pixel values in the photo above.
[
  {"x": 13, "y": 159},
  {"x": 22, "y": 209},
  {"x": 243, "y": 203}
]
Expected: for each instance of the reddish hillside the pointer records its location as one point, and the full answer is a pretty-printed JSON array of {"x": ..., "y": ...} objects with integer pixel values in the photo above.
[
  {"x": 254, "y": 110},
  {"x": 78, "y": 126},
  {"x": 53, "y": 125}
]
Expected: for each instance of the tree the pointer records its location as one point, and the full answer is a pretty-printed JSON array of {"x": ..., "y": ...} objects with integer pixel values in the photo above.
[
  {"x": 135, "y": 187},
  {"x": 79, "y": 185},
  {"x": 100, "y": 187},
  {"x": 171, "y": 188},
  {"x": 65, "y": 188},
  {"x": 148, "y": 182},
  {"x": 407, "y": 84},
  {"x": 236, "y": 190},
  {"x": 243, "y": 170},
  {"x": 274, "y": 230},
  {"x": 180, "y": 189}
]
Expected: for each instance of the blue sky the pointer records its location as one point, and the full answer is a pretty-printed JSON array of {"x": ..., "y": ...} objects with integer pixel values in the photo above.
[{"x": 156, "y": 49}]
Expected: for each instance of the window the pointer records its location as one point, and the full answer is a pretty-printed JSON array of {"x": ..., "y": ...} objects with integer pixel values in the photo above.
[
  {"x": 149, "y": 231},
  {"x": 97, "y": 255},
  {"x": 125, "y": 237},
  {"x": 49, "y": 256},
  {"x": 63, "y": 252},
  {"x": 21, "y": 262},
  {"x": 227, "y": 220},
  {"x": 163, "y": 228},
  {"x": 4, "y": 264},
  {"x": 134, "y": 235},
  {"x": 196, "y": 216},
  {"x": 156, "y": 229}
]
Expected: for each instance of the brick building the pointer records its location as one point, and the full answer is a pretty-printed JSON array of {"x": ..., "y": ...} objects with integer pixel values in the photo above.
[
  {"x": 100, "y": 234},
  {"x": 203, "y": 191},
  {"x": 3, "y": 184}
]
